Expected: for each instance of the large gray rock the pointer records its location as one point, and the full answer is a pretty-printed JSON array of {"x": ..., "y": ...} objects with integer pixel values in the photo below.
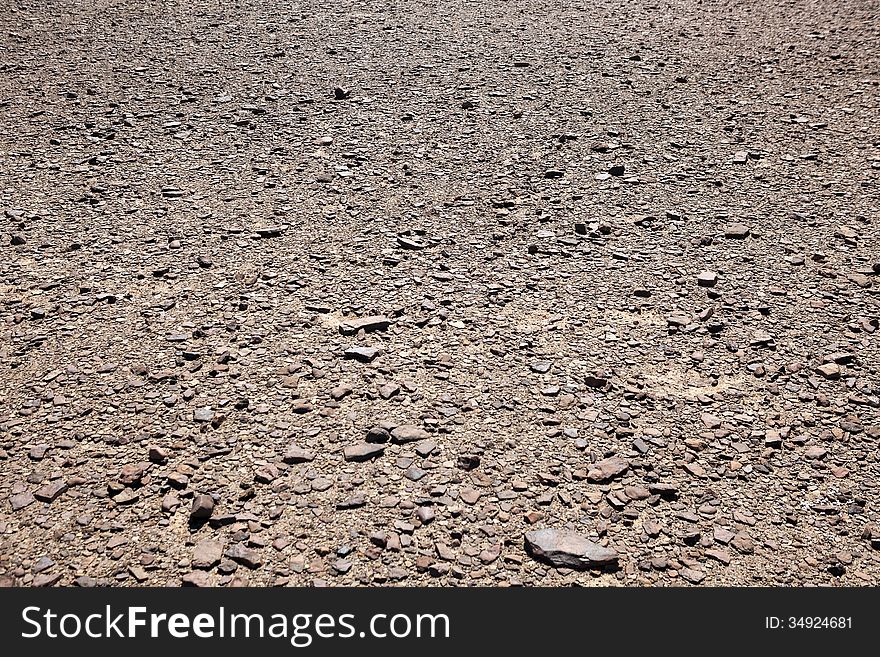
[{"x": 564, "y": 548}]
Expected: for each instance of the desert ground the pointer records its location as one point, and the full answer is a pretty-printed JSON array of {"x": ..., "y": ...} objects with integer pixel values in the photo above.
[{"x": 508, "y": 293}]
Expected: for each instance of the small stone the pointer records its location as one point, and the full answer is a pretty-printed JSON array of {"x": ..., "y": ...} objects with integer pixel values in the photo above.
[
  {"x": 362, "y": 354},
  {"x": 541, "y": 366},
  {"x": 711, "y": 421},
  {"x": 829, "y": 371},
  {"x": 321, "y": 484},
  {"x": 692, "y": 576},
  {"x": 378, "y": 435},
  {"x": 131, "y": 474},
  {"x": 839, "y": 357},
  {"x": 266, "y": 474},
  {"x": 720, "y": 555},
  {"x": 203, "y": 415},
  {"x": 564, "y": 548},
  {"x": 596, "y": 380},
  {"x": 157, "y": 454},
  {"x": 43, "y": 563},
  {"x": 353, "y": 502},
  {"x": 408, "y": 433},
  {"x": 128, "y": 496},
  {"x": 267, "y": 232},
  {"x": 736, "y": 231},
  {"x": 207, "y": 554},
  {"x": 469, "y": 495},
  {"x": 362, "y": 452},
  {"x": 340, "y": 392},
  {"x": 21, "y": 500},
  {"x": 410, "y": 243},
  {"x": 46, "y": 579},
  {"x": 607, "y": 469},
  {"x": 341, "y": 566},
  {"x": 425, "y": 448},
  {"x": 139, "y": 574},
  {"x": 860, "y": 279},
  {"x": 707, "y": 279},
  {"x": 197, "y": 578},
  {"x": 295, "y": 454},
  {"x": 202, "y": 507},
  {"x": 678, "y": 319},
  {"x": 425, "y": 514},
  {"x": 51, "y": 491},
  {"x": 414, "y": 473},
  {"x": 170, "y": 502},
  {"x": 244, "y": 555},
  {"x": 389, "y": 390},
  {"x": 489, "y": 555},
  {"x": 367, "y": 324}
]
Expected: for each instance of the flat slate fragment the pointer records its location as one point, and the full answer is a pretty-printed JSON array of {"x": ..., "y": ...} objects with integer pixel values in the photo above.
[
  {"x": 363, "y": 354},
  {"x": 607, "y": 469},
  {"x": 363, "y": 452},
  {"x": 296, "y": 454},
  {"x": 564, "y": 548},
  {"x": 367, "y": 324},
  {"x": 408, "y": 433}
]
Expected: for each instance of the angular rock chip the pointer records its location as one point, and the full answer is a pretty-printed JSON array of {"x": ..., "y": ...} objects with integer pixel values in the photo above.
[
  {"x": 362, "y": 354},
  {"x": 368, "y": 324},
  {"x": 362, "y": 452},
  {"x": 607, "y": 469},
  {"x": 197, "y": 578},
  {"x": 736, "y": 231},
  {"x": 21, "y": 500},
  {"x": 707, "y": 279},
  {"x": 50, "y": 491},
  {"x": 245, "y": 556},
  {"x": 202, "y": 507},
  {"x": 564, "y": 548},
  {"x": 203, "y": 415},
  {"x": 296, "y": 454},
  {"x": 378, "y": 435},
  {"x": 408, "y": 433},
  {"x": 269, "y": 231},
  {"x": 829, "y": 370},
  {"x": 207, "y": 554}
]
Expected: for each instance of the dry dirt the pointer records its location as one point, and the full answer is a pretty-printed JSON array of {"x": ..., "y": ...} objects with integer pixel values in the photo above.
[{"x": 627, "y": 255}]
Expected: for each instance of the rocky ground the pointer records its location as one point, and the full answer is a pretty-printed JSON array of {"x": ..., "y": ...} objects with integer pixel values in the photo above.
[{"x": 522, "y": 292}]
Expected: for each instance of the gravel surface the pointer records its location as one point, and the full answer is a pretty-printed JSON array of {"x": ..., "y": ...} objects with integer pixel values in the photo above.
[{"x": 412, "y": 293}]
